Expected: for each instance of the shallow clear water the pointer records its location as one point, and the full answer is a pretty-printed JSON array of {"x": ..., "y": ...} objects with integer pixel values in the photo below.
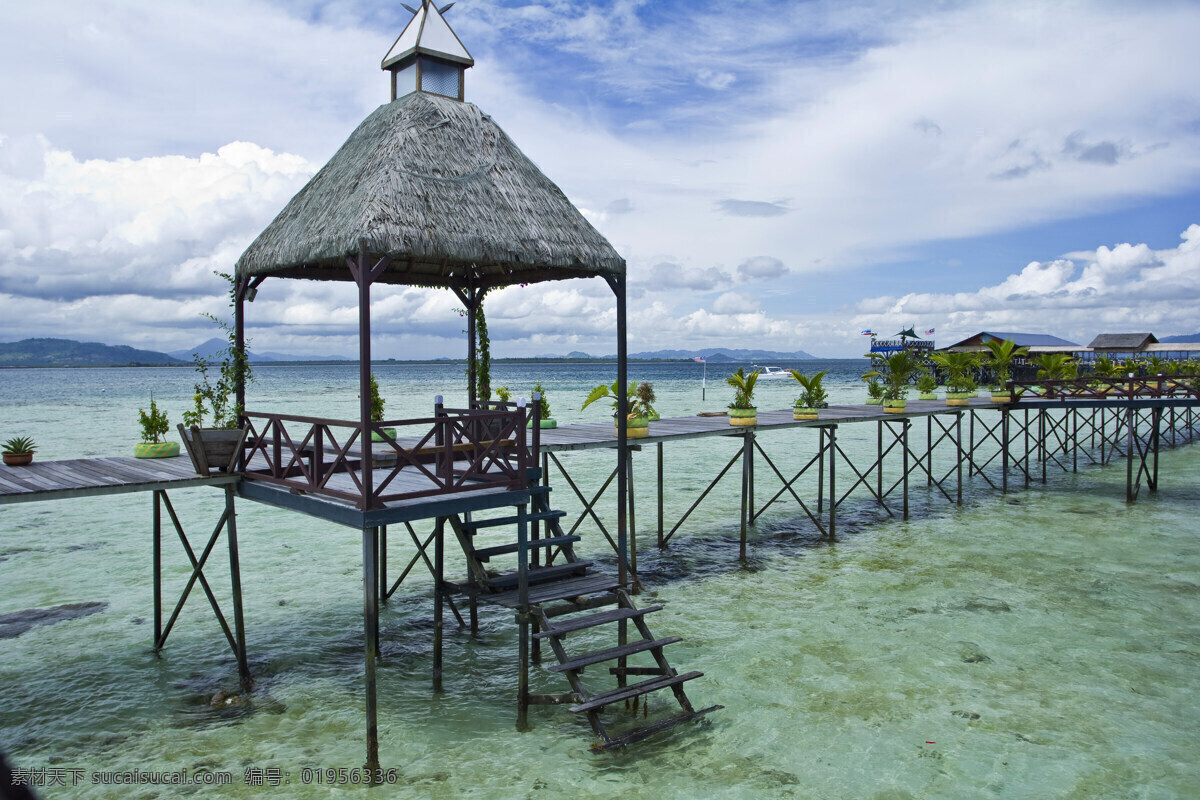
[{"x": 1042, "y": 644}]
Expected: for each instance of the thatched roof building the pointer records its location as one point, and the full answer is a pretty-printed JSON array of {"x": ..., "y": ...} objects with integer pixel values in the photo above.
[
  {"x": 435, "y": 184},
  {"x": 1122, "y": 342}
]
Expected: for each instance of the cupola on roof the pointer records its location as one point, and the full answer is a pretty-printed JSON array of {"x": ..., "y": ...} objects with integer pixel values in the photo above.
[
  {"x": 428, "y": 32},
  {"x": 428, "y": 56}
]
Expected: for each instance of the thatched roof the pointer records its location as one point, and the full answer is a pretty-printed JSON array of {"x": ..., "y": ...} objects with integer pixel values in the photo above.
[
  {"x": 1122, "y": 342},
  {"x": 435, "y": 184}
]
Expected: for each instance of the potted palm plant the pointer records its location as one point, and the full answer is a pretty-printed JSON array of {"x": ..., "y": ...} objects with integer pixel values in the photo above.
[
  {"x": 1104, "y": 367},
  {"x": 18, "y": 451},
  {"x": 960, "y": 383},
  {"x": 1001, "y": 355},
  {"x": 638, "y": 396},
  {"x": 742, "y": 411},
  {"x": 154, "y": 426},
  {"x": 812, "y": 395},
  {"x": 1054, "y": 367},
  {"x": 895, "y": 369},
  {"x": 927, "y": 386},
  {"x": 545, "y": 421}
]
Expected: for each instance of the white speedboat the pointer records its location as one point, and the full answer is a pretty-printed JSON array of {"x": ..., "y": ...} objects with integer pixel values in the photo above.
[{"x": 772, "y": 373}]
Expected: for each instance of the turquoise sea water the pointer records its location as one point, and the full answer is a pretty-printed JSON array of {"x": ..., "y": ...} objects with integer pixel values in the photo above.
[{"x": 1043, "y": 644}]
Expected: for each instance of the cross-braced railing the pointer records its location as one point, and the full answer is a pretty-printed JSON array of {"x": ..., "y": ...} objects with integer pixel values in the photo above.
[
  {"x": 455, "y": 450},
  {"x": 1094, "y": 387}
]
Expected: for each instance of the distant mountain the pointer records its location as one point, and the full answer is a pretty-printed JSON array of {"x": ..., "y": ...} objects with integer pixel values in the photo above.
[
  {"x": 68, "y": 353},
  {"x": 1190, "y": 337},
  {"x": 721, "y": 354},
  {"x": 212, "y": 349}
]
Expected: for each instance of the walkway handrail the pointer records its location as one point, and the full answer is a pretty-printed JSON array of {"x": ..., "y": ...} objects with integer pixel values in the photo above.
[
  {"x": 453, "y": 451},
  {"x": 1095, "y": 387}
]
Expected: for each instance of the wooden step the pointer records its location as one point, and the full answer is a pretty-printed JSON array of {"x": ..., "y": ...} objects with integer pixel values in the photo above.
[
  {"x": 550, "y": 592},
  {"x": 540, "y": 574},
  {"x": 637, "y": 734},
  {"x": 485, "y": 553},
  {"x": 628, "y": 649},
  {"x": 532, "y": 516},
  {"x": 592, "y": 620},
  {"x": 634, "y": 690}
]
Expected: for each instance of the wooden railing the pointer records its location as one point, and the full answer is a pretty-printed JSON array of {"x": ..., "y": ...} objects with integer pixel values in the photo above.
[
  {"x": 452, "y": 451},
  {"x": 1092, "y": 387}
]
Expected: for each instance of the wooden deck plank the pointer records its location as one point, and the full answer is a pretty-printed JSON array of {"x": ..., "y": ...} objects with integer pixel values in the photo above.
[
  {"x": 49, "y": 480},
  {"x": 32, "y": 477},
  {"x": 10, "y": 487}
]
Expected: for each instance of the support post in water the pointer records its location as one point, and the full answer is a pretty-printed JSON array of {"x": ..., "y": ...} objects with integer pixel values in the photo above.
[{"x": 370, "y": 616}]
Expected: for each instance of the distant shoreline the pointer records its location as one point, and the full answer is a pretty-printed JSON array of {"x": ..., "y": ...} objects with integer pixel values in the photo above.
[{"x": 387, "y": 361}]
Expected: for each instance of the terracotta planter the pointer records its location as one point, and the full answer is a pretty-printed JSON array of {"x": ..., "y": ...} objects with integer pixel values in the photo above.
[
  {"x": 156, "y": 450},
  {"x": 17, "y": 459},
  {"x": 637, "y": 427},
  {"x": 800, "y": 412},
  {"x": 958, "y": 398},
  {"x": 895, "y": 406},
  {"x": 742, "y": 417}
]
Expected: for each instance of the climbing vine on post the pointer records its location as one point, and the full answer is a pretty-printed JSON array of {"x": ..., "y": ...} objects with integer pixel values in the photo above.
[{"x": 483, "y": 355}]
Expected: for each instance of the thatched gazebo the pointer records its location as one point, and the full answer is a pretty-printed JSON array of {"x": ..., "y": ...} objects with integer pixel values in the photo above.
[{"x": 428, "y": 191}]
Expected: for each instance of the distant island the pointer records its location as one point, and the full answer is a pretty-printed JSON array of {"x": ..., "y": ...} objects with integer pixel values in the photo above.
[{"x": 70, "y": 353}]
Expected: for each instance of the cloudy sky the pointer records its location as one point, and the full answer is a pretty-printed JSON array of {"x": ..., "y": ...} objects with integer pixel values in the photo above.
[{"x": 779, "y": 175}]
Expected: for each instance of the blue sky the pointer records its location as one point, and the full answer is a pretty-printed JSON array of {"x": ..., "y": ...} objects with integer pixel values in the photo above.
[{"x": 777, "y": 174}]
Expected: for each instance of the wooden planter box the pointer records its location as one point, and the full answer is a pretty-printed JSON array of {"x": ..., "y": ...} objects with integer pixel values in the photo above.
[{"x": 213, "y": 449}]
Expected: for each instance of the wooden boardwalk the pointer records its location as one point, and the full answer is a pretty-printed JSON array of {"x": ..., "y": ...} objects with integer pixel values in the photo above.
[
  {"x": 589, "y": 435},
  {"x": 88, "y": 477}
]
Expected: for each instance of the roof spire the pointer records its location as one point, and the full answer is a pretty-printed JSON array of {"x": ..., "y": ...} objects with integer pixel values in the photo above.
[{"x": 428, "y": 55}]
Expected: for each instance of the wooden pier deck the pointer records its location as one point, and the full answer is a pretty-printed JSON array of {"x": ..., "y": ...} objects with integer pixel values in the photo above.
[
  {"x": 589, "y": 435},
  {"x": 89, "y": 477}
]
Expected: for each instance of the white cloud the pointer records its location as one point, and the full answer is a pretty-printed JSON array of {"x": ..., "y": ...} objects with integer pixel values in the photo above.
[
  {"x": 734, "y": 303},
  {"x": 154, "y": 226},
  {"x": 1125, "y": 287},
  {"x": 666, "y": 276},
  {"x": 885, "y": 127},
  {"x": 761, "y": 268}
]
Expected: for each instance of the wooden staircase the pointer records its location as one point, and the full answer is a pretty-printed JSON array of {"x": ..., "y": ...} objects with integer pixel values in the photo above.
[{"x": 568, "y": 606}]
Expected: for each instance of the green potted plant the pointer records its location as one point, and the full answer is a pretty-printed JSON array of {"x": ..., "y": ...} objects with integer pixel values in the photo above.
[
  {"x": 927, "y": 386},
  {"x": 546, "y": 421},
  {"x": 874, "y": 391},
  {"x": 18, "y": 451},
  {"x": 1104, "y": 367},
  {"x": 742, "y": 411},
  {"x": 154, "y": 427},
  {"x": 1054, "y": 367},
  {"x": 638, "y": 396},
  {"x": 217, "y": 447},
  {"x": 503, "y": 394},
  {"x": 960, "y": 383},
  {"x": 895, "y": 369},
  {"x": 1001, "y": 355},
  {"x": 812, "y": 395},
  {"x": 377, "y": 404}
]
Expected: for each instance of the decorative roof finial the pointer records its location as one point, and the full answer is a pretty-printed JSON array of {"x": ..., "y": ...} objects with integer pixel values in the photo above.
[{"x": 428, "y": 56}]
